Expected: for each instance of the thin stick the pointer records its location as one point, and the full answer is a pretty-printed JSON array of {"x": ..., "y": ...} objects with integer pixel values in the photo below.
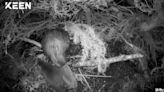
[
  {"x": 32, "y": 42},
  {"x": 111, "y": 60},
  {"x": 99, "y": 76},
  {"x": 84, "y": 78}
]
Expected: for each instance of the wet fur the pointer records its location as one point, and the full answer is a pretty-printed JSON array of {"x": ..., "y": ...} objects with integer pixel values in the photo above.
[
  {"x": 59, "y": 78},
  {"x": 54, "y": 45}
]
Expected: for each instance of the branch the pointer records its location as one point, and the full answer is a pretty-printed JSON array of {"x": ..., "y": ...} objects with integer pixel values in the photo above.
[
  {"x": 32, "y": 42},
  {"x": 120, "y": 58}
]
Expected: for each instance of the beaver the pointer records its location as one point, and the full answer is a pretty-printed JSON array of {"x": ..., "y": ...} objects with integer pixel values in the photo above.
[
  {"x": 54, "y": 44},
  {"x": 58, "y": 74}
]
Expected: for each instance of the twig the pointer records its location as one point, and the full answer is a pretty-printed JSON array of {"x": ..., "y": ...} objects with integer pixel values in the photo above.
[
  {"x": 120, "y": 58},
  {"x": 136, "y": 49},
  {"x": 77, "y": 56},
  {"x": 38, "y": 27},
  {"x": 147, "y": 4},
  {"x": 100, "y": 76},
  {"x": 124, "y": 58},
  {"x": 131, "y": 12},
  {"x": 84, "y": 78},
  {"x": 32, "y": 42},
  {"x": 25, "y": 16}
]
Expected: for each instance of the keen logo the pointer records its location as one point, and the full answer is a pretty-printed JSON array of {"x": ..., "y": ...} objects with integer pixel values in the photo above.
[{"x": 17, "y": 5}]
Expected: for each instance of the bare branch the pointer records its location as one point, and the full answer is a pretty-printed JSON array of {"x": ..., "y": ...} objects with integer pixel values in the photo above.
[{"x": 32, "y": 42}]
